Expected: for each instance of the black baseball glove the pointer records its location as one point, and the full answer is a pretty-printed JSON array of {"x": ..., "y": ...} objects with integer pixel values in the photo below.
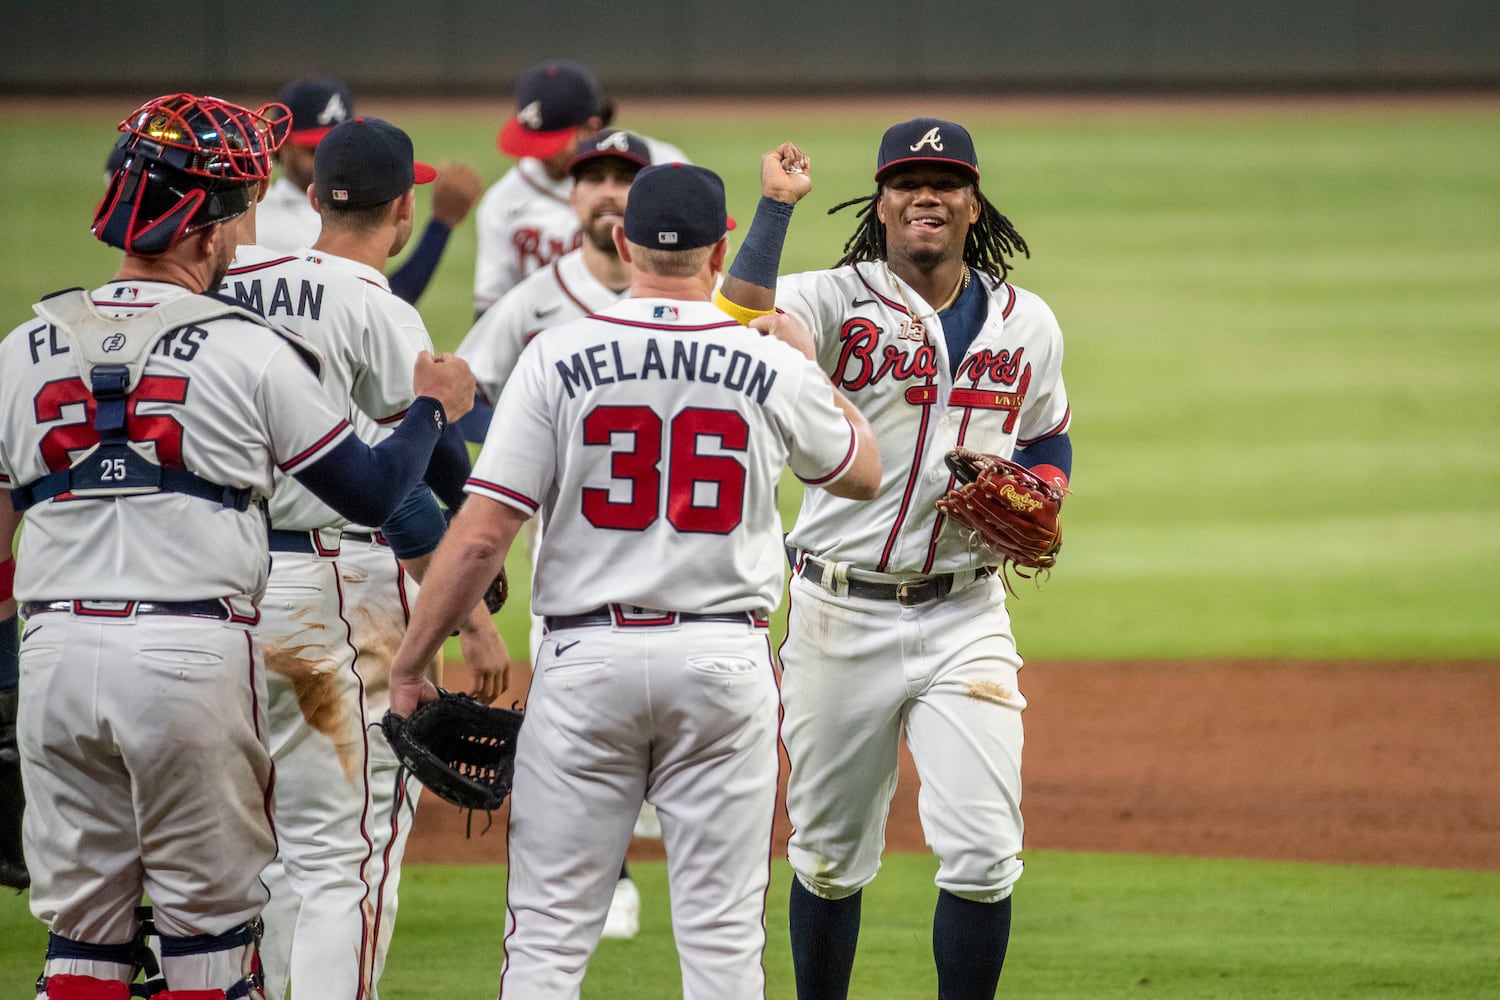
[{"x": 463, "y": 750}]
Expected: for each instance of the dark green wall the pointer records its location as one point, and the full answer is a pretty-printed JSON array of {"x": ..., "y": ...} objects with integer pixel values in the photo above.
[{"x": 774, "y": 47}]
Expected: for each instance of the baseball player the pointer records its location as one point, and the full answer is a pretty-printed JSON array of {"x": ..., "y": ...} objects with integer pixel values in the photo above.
[
  {"x": 583, "y": 281},
  {"x": 897, "y": 624},
  {"x": 324, "y": 921},
  {"x": 141, "y": 427},
  {"x": 663, "y": 431},
  {"x": 287, "y": 220},
  {"x": 525, "y": 221}
]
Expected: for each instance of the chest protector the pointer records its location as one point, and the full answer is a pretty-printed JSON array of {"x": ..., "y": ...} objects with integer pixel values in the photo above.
[{"x": 111, "y": 355}]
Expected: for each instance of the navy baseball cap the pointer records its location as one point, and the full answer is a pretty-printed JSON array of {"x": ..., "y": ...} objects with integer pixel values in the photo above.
[
  {"x": 926, "y": 140},
  {"x": 676, "y": 206},
  {"x": 317, "y": 105},
  {"x": 552, "y": 100},
  {"x": 364, "y": 162},
  {"x": 613, "y": 142}
]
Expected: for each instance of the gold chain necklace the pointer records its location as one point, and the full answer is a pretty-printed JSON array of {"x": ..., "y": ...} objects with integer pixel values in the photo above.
[{"x": 913, "y": 328}]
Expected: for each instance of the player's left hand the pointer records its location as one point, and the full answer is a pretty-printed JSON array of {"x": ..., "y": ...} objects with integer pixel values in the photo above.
[
  {"x": 485, "y": 656},
  {"x": 789, "y": 329},
  {"x": 454, "y": 193},
  {"x": 785, "y": 174}
]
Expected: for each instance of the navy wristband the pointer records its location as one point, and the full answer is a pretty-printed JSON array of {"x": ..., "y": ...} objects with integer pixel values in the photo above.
[{"x": 760, "y": 255}]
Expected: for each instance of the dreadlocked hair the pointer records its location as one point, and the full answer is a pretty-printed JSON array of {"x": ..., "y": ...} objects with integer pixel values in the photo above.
[{"x": 990, "y": 240}]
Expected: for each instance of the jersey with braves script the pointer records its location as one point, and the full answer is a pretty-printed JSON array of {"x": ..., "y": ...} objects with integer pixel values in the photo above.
[
  {"x": 285, "y": 220},
  {"x": 227, "y": 400},
  {"x": 1008, "y": 393},
  {"x": 559, "y": 293},
  {"x": 525, "y": 222},
  {"x": 669, "y": 425},
  {"x": 369, "y": 338}
]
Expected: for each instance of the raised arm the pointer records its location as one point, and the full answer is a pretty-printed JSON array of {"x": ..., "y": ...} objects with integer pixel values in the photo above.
[{"x": 749, "y": 289}]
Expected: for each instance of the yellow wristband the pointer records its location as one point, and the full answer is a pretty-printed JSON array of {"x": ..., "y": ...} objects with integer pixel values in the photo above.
[{"x": 741, "y": 314}]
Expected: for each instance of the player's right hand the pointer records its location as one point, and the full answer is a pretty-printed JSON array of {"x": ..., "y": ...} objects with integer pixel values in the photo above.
[
  {"x": 447, "y": 379},
  {"x": 785, "y": 174}
]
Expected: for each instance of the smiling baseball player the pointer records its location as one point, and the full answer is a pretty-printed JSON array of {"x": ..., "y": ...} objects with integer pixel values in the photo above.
[
  {"x": 663, "y": 430},
  {"x": 897, "y": 623},
  {"x": 325, "y": 921},
  {"x": 140, "y": 427}
]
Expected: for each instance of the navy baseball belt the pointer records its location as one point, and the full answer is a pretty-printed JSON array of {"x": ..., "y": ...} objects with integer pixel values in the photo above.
[
  {"x": 627, "y": 616},
  {"x": 917, "y": 590},
  {"x": 366, "y": 537},
  {"x": 128, "y": 609},
  {"x": 309, "y": 543}
]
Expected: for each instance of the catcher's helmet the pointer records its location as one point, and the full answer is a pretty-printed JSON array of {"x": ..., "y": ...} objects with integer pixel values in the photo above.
[{"x": 186, "y": 162}]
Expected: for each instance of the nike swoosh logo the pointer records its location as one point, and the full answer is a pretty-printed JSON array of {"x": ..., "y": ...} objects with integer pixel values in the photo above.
[
  {"x": 862, "y": 302},
  {"x": 30, "y": 632},
  {"x": 539, "y": 313},
  {"x": 561, "y": 649}
]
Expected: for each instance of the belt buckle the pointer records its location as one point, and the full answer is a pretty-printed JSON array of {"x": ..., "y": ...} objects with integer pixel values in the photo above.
[{"x": 904, "y": 595}]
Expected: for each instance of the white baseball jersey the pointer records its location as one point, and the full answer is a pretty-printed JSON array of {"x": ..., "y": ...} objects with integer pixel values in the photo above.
[
  {"x": 563, "y": 291},
  {"x": 227, "y": 400},
  {"x": 285, "y": 220},
  {"x": 669, "y": 425},
  {"x": 1008, "y": 392},
  {"x": 369, "y": 338},
  {"x": 525, "y": 222}
]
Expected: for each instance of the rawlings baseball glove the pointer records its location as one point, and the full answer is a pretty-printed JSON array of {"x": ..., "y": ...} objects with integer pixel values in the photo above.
[
  {"x": 463, "y": 750},
  {"x": 1009, "y": 509}
]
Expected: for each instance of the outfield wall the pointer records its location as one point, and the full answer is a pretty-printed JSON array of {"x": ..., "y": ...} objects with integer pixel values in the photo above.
[{"x": 777, "y": 47}]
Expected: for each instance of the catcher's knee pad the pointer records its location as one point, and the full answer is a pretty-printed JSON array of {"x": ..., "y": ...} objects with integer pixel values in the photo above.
[
  {"x": 83, "y": 970},
  {"x": 193, "y": 965},
  {"x": 65, "y": 986}
]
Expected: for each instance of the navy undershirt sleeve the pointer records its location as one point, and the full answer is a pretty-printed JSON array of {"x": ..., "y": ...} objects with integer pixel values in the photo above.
[
  {"x": 448, "y": 470},
  {"x": 476, "y": 423},
  {"x": 366, "y": 484},
  {"x": 417, "y": 526},
  {"x": 1056, "y": 450},
  {"x": 410, "y": 279}
]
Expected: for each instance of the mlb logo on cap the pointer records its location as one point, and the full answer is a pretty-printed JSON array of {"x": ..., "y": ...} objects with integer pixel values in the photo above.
[
  {"x": 366, "y": 162},
  {"x": 926, "y": 140},
  {"x": 676, "y": 206}
]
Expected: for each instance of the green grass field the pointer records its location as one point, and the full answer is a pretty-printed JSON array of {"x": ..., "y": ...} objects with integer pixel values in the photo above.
[
  {"x": 1282, "y": 356},
  {"x": 1088, "y": 927}
]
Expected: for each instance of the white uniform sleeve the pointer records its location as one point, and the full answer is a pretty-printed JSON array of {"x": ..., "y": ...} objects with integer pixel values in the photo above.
[
  {"x": 815, "y": 299},
  {"x": 1046, "y": 411},
  {"x": 393, "y": 336},
  {"x": 517, "y": 465},
  {"x": 821, "y": 443},
  {"x": 494, "y": 263},
  {"x": 494, "y": 344},
  {"x": 304, "y": 423}
]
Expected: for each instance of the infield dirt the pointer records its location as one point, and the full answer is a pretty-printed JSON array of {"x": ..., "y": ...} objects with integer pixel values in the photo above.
[{"x": 1326, "y": 762}]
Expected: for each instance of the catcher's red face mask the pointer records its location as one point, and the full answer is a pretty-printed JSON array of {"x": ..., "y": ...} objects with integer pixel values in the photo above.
[{"x": 189, "y": 162}]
